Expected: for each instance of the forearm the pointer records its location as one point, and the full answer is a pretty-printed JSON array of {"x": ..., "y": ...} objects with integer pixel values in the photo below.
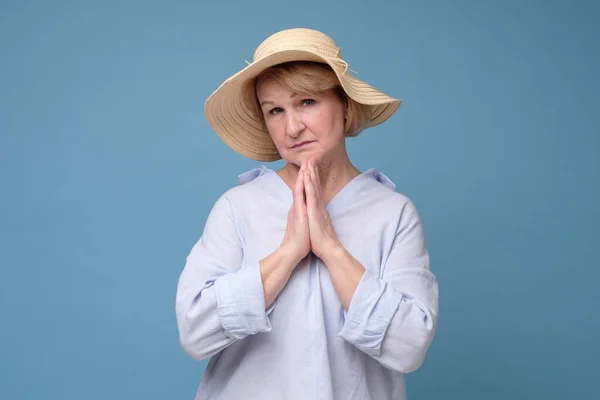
[
  {"x": 212, "y": 312},
  {"x": 275, "y": 271},
  {"x": 392, "y": 325},
  {"x": 200, "y": 331},
  {"x": 345, "y": 272}
]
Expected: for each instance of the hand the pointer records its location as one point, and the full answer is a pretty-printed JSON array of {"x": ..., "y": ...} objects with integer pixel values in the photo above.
[
  {"x": 323, "y": 239},
  {"x": 296, "y": 241}
]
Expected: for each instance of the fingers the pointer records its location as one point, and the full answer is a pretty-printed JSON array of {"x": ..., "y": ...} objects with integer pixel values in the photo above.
[
  {"x": 314, "y": 177},
  {"x": 311, "y": 192},
  {"x": 314, "y": 172},
  {"x": 298, "y": 192},
  {"x": 298, "y": 203}
]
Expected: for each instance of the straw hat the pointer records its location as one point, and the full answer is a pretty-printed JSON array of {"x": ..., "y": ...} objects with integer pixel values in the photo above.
[{"x": 232, "y": 119}]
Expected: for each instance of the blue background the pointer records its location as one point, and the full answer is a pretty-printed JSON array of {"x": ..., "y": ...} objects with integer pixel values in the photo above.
[{"x": 108, "y": 171}]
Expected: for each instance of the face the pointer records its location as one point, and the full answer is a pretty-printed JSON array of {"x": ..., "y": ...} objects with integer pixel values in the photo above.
[{"x": 303, "y": 126}]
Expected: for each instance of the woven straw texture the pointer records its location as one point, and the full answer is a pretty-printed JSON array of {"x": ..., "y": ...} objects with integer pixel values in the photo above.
[{"x": 231, "y": 118}]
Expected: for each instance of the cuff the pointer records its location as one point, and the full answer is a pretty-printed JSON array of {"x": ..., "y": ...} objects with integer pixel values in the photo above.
[
  {"x": 241, "y": 303},
  {"x": 371, "y": 310}
]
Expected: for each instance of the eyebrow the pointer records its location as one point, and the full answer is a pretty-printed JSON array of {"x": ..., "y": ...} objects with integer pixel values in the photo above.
[{"x": 271, "y": 102}]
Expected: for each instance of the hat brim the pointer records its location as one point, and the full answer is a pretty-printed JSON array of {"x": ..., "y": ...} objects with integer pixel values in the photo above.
[{"x": 233, "y": 121}]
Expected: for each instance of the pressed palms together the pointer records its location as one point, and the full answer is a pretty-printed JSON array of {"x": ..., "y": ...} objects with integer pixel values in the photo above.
[{"x": 309, "y": 226}]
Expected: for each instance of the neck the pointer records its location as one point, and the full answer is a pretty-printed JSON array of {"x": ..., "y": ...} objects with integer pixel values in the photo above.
[{"x": 334, "y": 175}]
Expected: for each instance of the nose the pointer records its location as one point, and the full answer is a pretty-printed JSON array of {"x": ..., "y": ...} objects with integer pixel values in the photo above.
[{"x": 293, "y": 124}]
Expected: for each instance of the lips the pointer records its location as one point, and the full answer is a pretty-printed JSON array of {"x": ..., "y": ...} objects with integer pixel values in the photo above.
[{"x": 301, "y": 144}]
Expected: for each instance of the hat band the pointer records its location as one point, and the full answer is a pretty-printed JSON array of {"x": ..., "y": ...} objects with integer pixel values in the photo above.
[{"x": 332, "y": 60}]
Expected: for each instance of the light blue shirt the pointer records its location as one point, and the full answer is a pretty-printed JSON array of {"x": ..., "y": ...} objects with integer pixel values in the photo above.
[{"x": 306, "y": 345}]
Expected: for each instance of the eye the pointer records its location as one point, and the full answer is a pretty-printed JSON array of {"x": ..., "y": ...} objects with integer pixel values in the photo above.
[
  {"x": 308, "y": 102},
  {"x": 275, "y": 111}
]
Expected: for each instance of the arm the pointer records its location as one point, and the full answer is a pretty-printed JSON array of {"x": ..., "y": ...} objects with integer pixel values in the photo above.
[
  {"x": 392, "y": 315},
  {"x": 220, "y": 296},
  {"x": 345, "y": 272},
  {"x": 391, "y": 318},
  {"x": 275, "y": 270}
]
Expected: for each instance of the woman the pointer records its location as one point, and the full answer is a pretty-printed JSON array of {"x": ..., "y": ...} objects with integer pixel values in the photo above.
[{"x": 311, "y": 282}]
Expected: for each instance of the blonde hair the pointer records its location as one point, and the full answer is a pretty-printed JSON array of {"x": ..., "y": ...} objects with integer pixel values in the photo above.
[{"x": 308, "y": 77}]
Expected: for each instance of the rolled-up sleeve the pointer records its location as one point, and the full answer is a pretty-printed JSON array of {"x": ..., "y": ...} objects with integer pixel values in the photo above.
[
  {"x": 392, "y": 316},
  {"x": 220, "y": 295},
  {"x": 241, "y": 303}
]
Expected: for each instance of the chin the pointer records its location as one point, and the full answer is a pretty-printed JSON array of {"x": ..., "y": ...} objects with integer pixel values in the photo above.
[
  {"x": 298, "y": 158},
  {"x": 295, "y": 159},
  {"x": 306, "y": 156}
]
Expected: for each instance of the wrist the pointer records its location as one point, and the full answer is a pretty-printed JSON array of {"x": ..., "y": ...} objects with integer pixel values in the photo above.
[
  {"x": 288, "y": 255},
  {"x": 334, "y": 251}
]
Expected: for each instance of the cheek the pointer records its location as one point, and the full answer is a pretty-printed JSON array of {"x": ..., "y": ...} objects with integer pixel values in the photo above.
[
  {"x": 276, "y": 132},
  {"x": 330, "y": 125}
]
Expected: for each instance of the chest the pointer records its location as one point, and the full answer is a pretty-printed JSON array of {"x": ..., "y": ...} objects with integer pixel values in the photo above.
[{"x": 365, "y": 233}]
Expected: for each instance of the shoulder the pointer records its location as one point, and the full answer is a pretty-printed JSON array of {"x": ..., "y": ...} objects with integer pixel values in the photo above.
[
  {"x": 384, "y": 201},
  {"x": 390, "y": 205},
  {"x": 252, "y": 184},
  {"x": 383, "y": 190}
]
